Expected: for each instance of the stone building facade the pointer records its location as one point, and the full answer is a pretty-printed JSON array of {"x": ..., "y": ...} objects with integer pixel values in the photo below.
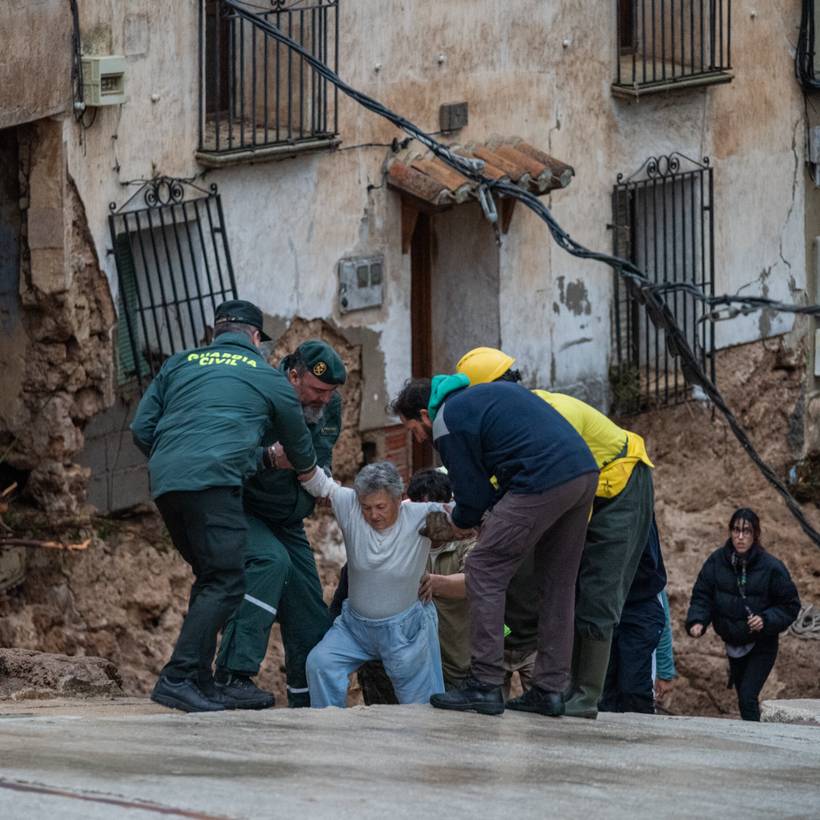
[{"x": 322, "y": 238}]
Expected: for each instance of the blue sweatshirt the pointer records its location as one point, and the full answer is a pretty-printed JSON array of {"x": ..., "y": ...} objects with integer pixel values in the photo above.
[
  {"x": 503, "y": 430},
  {"x": 664, "y": 654},
  {"x": 650, "y": 577}
]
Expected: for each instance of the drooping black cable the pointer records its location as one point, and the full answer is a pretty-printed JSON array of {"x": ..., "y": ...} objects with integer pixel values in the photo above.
[
  {"x": 77, "y": 62},
  {"x": 636, "y": 282},
  {"x": 806, "y": 47}
]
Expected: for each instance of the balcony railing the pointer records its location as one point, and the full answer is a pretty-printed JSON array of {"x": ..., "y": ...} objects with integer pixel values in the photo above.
[
  {"x": 665, "y": 44},
  {"x": 258, "y": 96}
]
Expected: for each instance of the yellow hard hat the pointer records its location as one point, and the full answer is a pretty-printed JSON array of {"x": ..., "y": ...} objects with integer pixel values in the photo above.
[{"x": 484, "y": 364}]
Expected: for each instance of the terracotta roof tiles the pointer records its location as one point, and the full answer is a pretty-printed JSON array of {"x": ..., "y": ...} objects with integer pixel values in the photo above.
[{"x": 420, "y": 174}]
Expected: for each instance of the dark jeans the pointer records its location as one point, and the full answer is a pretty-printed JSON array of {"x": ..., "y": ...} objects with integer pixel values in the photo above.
[
  {"x": 629, "y": 686},
  {"x": 554, "y": 524},
  {"x": 281, "y": 583},
  {"x": 208, "y": 529},
  {"x": 748, "y": 674}
]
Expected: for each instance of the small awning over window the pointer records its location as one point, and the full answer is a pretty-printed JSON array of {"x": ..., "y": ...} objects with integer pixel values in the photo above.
[{"x": 417, "y": 173}]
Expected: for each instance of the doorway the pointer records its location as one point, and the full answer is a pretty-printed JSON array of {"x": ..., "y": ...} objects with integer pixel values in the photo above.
[{"x": 454, "y": 262}]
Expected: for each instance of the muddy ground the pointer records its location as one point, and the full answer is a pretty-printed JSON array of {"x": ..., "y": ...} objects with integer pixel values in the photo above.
[
  {"x": 702, "y": 475},
  {"x": 123, "y": 598}
]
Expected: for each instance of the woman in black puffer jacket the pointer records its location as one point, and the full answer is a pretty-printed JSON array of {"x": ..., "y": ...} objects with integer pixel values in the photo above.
[{"x": 749, "y": 598}]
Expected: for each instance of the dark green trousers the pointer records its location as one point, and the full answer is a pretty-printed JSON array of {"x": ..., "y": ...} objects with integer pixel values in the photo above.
[
  {"x": 208, "y": 529},
  {"x": 281, "y": 583},
  {"x": 616, "y": 537}
]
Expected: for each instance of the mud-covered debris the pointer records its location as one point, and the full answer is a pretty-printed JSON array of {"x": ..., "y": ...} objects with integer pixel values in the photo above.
[{"x": 26, "y": 674}]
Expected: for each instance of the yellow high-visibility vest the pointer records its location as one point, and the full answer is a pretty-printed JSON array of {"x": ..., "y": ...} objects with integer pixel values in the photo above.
[{"x": 616, "y": 451}]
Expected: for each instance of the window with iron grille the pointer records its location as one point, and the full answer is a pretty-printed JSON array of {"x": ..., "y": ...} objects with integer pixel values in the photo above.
[
  {"x": 257, "y": 94},
  {"x": 173, "y": 269},
  {"x": 663, "y": 222},
  {"x": 664, "y": 44}
]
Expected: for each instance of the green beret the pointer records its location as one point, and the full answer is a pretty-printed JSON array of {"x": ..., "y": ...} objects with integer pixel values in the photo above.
[{"x": 322, "y": 361}]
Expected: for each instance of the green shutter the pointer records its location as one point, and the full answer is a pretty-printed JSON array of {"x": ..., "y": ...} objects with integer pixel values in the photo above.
[{"x": 128, "y": 323}]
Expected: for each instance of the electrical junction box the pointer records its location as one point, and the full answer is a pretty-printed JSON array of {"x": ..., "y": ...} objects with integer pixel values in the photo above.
[
  {"x": 103, "y": 80},
  {"x": 361, "y": 283},
  {"x": 452, "y": 116}
]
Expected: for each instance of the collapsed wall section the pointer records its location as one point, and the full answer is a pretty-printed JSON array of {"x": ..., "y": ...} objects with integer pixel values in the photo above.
[{"x": 63, "y": 346}]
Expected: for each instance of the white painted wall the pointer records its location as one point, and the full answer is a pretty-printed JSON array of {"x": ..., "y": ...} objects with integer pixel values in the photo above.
[{"x": 539, "y": 69}]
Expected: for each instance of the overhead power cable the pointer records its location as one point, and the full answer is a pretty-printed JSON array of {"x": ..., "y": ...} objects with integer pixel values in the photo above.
[
  {"x": 806, "y": 46},
  {"x": 636, "y": 282}
]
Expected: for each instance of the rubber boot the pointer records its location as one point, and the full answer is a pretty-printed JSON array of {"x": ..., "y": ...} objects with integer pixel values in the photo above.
[{"x": 590, "y": 662}]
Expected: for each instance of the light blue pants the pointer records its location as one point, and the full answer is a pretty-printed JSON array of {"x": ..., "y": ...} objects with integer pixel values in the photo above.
[{"x": 407, "y": 645}]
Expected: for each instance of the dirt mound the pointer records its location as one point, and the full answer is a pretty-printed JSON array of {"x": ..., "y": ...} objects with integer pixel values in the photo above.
[
  {"x": 25, "y": 675},
  {"x": 124, "y": 598},
  {"x": 121, "y": 599},
  {"x": 702, "y": 475}
]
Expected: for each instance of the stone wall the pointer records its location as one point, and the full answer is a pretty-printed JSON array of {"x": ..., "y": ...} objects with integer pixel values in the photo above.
[{"x": 64, "y": 352}]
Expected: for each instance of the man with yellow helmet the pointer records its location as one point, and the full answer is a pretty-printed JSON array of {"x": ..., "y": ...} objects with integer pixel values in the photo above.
[{"x": 617, "y": 532}]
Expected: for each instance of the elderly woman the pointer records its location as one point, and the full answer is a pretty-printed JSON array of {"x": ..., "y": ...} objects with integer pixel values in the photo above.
[
  {"x": 749, "y": 598},
  {"x": 383, "y": 618}
]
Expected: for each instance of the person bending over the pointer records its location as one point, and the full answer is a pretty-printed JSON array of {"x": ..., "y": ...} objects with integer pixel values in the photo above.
[
  {"x": 546, "y": 480},
  {"x": 383, "y": 618}
]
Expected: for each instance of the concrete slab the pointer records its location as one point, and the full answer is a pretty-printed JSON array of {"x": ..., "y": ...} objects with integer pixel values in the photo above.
[
  {"x": 130, "y": 758},
  {"x": 791, "y": 711}
]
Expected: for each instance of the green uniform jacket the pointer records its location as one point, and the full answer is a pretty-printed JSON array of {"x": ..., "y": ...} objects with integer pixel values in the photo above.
[
  {"x": 276, "y": 496},
  {"x": 202, "y": 420}
]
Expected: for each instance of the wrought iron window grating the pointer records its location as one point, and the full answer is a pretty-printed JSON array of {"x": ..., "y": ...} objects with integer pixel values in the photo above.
[
  {"x": 256, "y": 94},
  {"x": 663, "y": 221},
  {"x": 173, "y": 269},
  {"x": 665, "y": 44}
]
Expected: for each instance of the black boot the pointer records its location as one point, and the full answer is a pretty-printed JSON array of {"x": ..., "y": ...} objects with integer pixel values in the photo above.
[
  {"x": 540, "y": 701},
  {"x": 185, "y": 695},
  {"x": 240, "y": 692},
  {"x": 298, "y": 700},
  {"x": 485, "y": 698}
]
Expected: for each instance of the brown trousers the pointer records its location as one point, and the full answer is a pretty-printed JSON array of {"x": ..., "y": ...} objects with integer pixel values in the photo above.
[
  {"x": 521, "y": 661},
  {"x": 554, "y": 524}
]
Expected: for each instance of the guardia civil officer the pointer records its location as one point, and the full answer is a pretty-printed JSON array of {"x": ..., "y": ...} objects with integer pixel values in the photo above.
[
  {"x": 201, "y": 422},
  {"x": 281, "y": 580}
]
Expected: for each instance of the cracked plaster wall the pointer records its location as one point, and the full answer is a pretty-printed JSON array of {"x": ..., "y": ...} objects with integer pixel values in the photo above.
[
  {"x": 547, "y": 81},
  {"x": 752, "y": 129},
  {"x": 35, "y": 71}
]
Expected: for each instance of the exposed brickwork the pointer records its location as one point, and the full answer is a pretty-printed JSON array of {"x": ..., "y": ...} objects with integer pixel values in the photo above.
[{"x": 392, "y": 444}]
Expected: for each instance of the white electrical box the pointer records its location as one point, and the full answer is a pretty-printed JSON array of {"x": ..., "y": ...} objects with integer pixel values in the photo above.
[
  {"x": 361, "y": 282},
  {"x": 103, "y": 80}
]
